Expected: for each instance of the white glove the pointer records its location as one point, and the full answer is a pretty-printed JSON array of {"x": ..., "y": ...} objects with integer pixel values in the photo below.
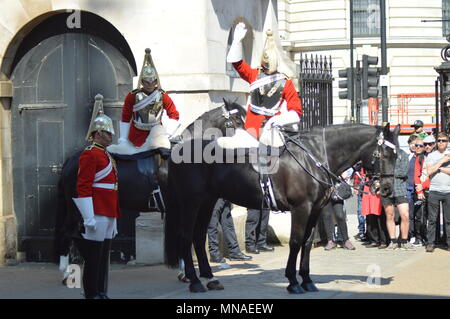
[
  {"x": 86, "y": 207},
  {"x": 283, "y": 119},
  {"x": 172, "y": 126},
  {"x": 235, "y": 53},
  {"x": 239, "y": 32},
  {"x": 63, "y": 262},
  {"x": 124, "y": 130}
]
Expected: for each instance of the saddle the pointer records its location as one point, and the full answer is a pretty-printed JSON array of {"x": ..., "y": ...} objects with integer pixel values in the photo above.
[
  {"x": 148, "y": 164},
  {"x": 265, "y": 161}
]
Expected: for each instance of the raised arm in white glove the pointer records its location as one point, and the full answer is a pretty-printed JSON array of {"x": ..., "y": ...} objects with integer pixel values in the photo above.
[
  {"x": 235, "y": 53},
  {"x": 124, "y": 130},
  {"x": 86, "y": 207}
]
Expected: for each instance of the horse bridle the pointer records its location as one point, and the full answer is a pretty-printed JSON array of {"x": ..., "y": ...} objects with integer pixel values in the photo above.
[
  {"x": 376, "y": 156},
  {"x": 230, "y": 122}
]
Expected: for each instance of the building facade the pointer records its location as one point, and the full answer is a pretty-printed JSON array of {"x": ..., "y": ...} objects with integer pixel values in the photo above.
[
  {"x": 413, "y": 46},
  {"x": 56, "y": 55}
]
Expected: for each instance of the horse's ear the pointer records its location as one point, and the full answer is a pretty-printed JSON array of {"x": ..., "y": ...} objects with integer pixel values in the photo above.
[
  {"x": 397, "y": 130},
  {"x": 226, "y": 102},
  {"x": 386, "y": 130}
]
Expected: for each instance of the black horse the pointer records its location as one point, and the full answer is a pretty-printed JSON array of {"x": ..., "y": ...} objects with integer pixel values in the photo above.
[
  {"x": 135, "y": 182},
  {"x": 299, "y": 185}
]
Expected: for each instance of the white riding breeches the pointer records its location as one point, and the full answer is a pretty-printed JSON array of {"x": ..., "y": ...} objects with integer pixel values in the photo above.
[
  {"x": 105, "y": 228},
  {"x": 270, "y": 136},
  {"x": 157, "y": 138}
]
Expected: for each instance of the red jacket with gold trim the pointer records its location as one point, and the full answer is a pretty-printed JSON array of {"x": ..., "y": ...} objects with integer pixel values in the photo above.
[
  {"x": 94, "y": 167},
  {"x": 289, "y": 94},
  {"x": 137, "y": 136}
]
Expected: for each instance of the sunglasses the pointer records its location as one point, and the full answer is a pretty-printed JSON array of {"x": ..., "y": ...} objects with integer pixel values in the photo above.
[
  {"x": 442, "y": 141},
  {"x": 429, "y": 144},
  {"x": 418, "y": 145}
]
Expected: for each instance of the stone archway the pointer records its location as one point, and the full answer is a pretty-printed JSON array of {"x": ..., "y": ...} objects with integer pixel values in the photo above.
[{"x": 56, "y": 71}]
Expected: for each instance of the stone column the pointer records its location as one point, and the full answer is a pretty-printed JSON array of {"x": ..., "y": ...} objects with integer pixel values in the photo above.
[{"x": 8, "y": 232}]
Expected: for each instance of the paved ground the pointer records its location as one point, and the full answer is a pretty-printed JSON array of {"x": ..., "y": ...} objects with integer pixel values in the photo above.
[{"x": 338, "y": 274}]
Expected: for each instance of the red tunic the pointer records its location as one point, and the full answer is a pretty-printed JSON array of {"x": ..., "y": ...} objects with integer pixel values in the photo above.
[
  {"x": 418, "y": 173},
  {"x": 137, "y": 136},
  {"x": 92, "y": 160},
  {"x": 370, "y": 204},
  {"x": 254, "y": 121}
]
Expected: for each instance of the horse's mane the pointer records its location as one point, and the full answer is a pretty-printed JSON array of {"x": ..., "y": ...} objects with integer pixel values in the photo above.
[
  {"x": 316, "y": 130},
  {"x": 228, "y": 105}
]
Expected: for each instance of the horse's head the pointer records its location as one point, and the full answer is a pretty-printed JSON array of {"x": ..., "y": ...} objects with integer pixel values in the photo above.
[
  {"x": 381, "y": 163},
  {"x": 233, "y": 116},
  {"x": 220, "y": 121}
]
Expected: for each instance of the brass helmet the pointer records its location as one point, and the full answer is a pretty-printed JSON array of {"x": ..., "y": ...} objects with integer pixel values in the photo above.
[
  {"x": 148, "y": 71},
  {"x": 269, "y": 59},
  {"x": 149, "y": 74},
  {"x": 99, "y": 120}
]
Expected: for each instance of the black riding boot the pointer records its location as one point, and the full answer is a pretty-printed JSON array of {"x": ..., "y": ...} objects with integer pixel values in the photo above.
[
  {"x": 91, "y": 252},
  {"x": 263, "y": 167},
  {"x": 104, "y": 269}
]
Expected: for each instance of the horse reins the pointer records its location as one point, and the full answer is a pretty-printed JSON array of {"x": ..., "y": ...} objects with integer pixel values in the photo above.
[{"x": 316, "y": 162}]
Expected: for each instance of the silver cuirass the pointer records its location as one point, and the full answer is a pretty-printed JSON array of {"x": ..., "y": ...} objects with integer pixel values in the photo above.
[{"x": 147, "y": 110}]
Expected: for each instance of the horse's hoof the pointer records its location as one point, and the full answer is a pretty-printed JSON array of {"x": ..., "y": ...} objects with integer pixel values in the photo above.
[
  {"x": 295, "y": 289},
  {"x": 214, "y": 285},
  {"x": 182, "y": 277},
  {"x": 309, "y": 286},
  {"x": 197, "y": 287}
]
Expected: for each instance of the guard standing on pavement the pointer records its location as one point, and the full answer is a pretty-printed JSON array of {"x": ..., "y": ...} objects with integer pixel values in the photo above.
[
  {"x": 222, "y": 214},
  {"x": 256, "y": 227},
  {"x": 98, "y": 204}
]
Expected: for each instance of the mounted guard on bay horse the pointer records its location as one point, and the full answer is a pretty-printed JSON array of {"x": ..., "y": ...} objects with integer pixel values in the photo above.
[{"x": 294, "y": 171}]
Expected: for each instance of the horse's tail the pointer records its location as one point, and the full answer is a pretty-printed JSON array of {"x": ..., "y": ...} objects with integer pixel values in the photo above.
[
  {"x": 62, "y": 242},
  {"x": 62, "y": 228},
  {"x": 172, "y": 252}
]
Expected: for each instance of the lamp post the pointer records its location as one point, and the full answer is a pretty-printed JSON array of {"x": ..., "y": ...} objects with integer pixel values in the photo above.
[{"x": 443, "y": 87}]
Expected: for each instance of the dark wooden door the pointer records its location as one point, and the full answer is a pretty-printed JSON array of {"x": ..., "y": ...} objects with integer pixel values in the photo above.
[{"x": 54, "y": 88}]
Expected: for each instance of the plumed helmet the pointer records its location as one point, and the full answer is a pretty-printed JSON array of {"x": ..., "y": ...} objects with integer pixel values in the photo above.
[
  {"x": 269, "y": 57},
  {"x": 99, "y": 120},
  {"x": 148, "y": 71}
]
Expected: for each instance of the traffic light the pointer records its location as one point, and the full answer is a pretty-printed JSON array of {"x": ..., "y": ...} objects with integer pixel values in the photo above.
[
  {"x": 346, "y": 84},
  {"x": 370, "y": 77}
]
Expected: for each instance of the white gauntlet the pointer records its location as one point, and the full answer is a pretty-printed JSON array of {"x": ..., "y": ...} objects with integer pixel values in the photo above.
[
  {"x": 86, "y": 207},
  {"x": 124, "y": 130},
  {"x": 172, "y": 126},
  {"x": 235, "y": 52}
]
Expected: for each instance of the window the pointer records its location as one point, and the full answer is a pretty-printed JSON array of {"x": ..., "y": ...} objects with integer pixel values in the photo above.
[
  {"x": 366, "y": 18},
  {"x": 445, "y": 16}
]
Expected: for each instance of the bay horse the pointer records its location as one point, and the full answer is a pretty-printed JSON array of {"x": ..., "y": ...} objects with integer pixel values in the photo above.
[
  {"x": 299, "y": 186},
  {"x": 135, "y": 184}
]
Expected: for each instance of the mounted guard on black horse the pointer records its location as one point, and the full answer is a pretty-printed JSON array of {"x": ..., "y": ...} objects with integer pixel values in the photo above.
[{"x": 294, "y": 171}]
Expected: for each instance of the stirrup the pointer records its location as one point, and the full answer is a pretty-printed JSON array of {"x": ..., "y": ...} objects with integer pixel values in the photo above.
[
  {"x": 269, "y": 201},
  {"x": 156, "y": 201}
]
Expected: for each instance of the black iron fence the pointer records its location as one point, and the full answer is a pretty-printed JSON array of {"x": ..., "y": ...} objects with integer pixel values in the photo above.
[{"x": 316, "y": 91}]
